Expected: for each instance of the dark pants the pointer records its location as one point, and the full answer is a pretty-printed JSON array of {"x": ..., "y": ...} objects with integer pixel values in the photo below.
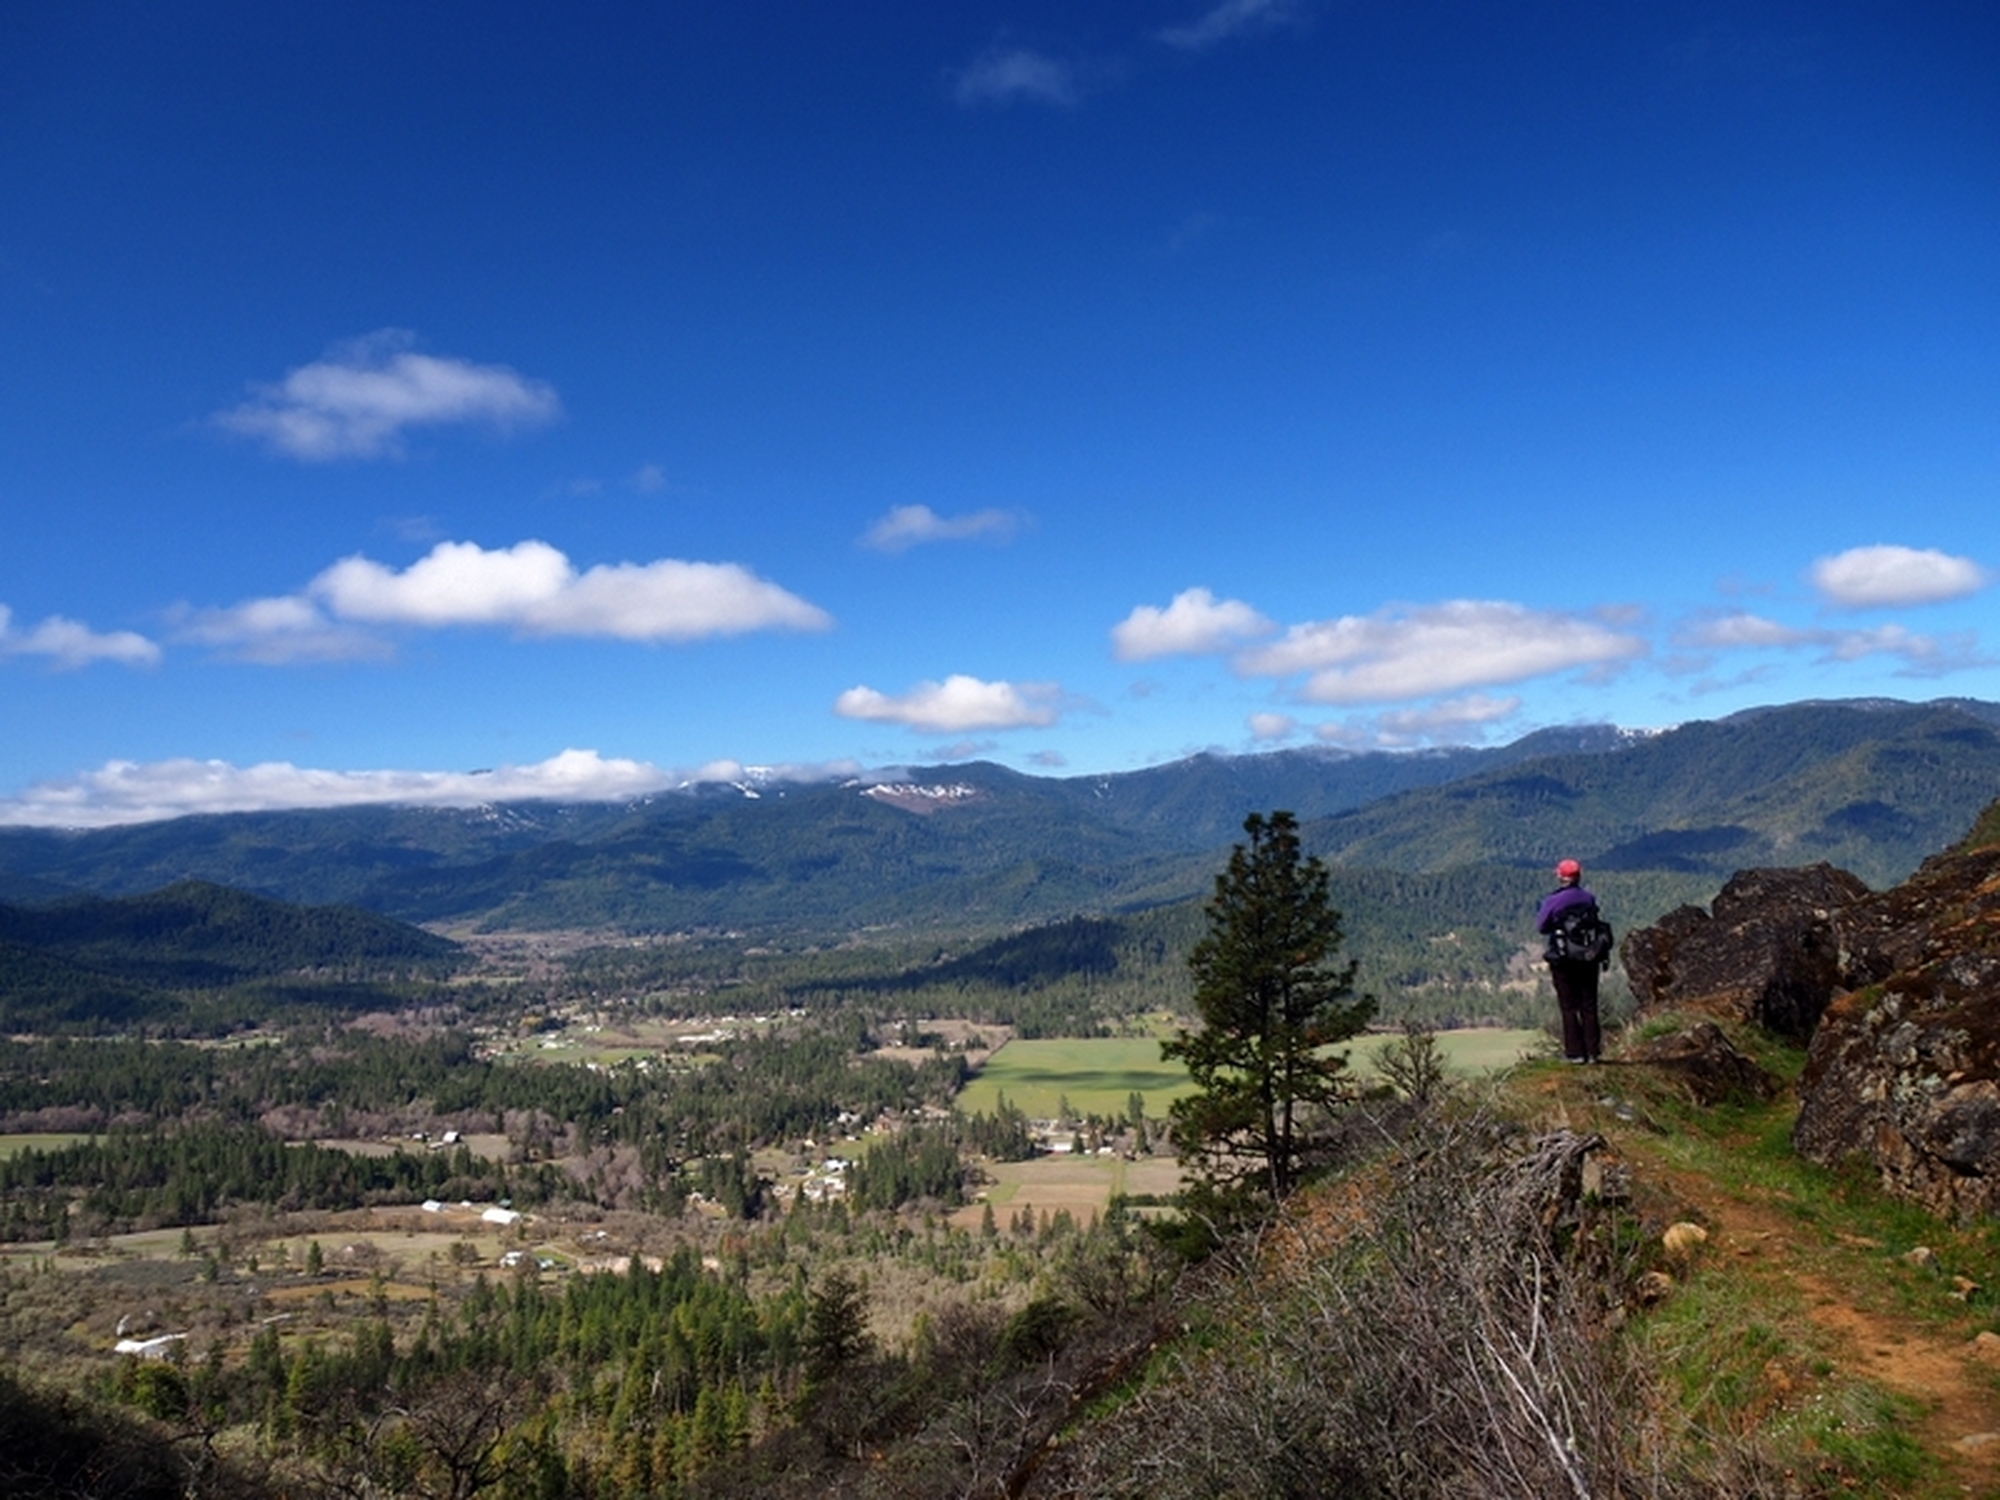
[{"x": 1576, "y": 997}]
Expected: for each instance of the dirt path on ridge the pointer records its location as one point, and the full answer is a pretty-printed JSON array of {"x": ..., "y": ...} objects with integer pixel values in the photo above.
[{"x": 1952, "y": 1379}]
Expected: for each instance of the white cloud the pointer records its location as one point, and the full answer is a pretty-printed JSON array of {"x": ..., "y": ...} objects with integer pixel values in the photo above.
[
  {"x": 957, "y": 705},
  {"x": 1454, "y": 721},
  {"x": 964, "y": 750},
  {"x": 1739, "y": 631},
  {"x": 1273, "y": 727},
  {"x": 455, "y": 583},
  {"x": 360, "y": 399},
  {"x": 907, "y": 526},
  {"x": 1442, "y": 648},
  {"x": 1194, "y": 624},
  {"x": 530, "y": 587},
  {"x": 1921, "y": 655},
  {"x": 70, "y": 643},
  {"x": 1230, "y": 18},
  {"x": 127, "y": 792},
  {"x": 1868, "y": 577},
  {"x": 1447, "y": 720},
  {"x": 1000, "y": 75},
  {"x": 275, "y": 632}
]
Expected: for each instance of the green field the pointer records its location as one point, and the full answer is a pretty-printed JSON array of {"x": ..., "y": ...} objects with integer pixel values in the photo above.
[
  {"x": 1098, "y": 1075},
  {"x": 12, "y": 1144}
]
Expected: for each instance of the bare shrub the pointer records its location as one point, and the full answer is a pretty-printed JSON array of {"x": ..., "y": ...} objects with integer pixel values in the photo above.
[
  {"x": 1414, "y": 1065},
  {"x": 1451, "y": 1335}
]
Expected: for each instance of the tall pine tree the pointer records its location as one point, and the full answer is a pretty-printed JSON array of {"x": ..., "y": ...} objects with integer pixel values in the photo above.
[{"x": 1273, "y": 1005}]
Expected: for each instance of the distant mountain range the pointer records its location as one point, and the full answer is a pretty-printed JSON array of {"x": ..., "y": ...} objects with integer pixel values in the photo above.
[{"x": 1874, "y": 786}]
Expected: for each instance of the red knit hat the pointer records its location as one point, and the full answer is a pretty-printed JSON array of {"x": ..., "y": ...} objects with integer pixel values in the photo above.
[{"x": 1568, "y": 869}]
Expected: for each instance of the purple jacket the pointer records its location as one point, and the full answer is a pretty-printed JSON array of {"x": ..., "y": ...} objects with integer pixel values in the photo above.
[{"x": 1557, "y": 902}]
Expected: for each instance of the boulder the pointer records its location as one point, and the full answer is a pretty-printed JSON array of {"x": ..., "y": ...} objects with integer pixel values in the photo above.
[
  {"x": 1899, "y": 992},
  {"x": 1767, "y": 952},
  {"x": 1707, "y": 1065}
]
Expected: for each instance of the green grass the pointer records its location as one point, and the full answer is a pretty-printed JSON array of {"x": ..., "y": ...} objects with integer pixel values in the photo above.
[
  {"x": 1738, "y": 1345},
  {"x": 1098, "y": 1075},
  {"x": 1484, "y": 1050},
  {"x": 13, "y": 1145}
]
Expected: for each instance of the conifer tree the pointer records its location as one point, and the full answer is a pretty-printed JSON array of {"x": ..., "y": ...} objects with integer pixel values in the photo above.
[{"x": 1272, "y": 1004}]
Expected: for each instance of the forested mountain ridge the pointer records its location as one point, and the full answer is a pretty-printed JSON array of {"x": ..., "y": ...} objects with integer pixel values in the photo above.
[
  {"x": 1874, "y": 786},
  {"x": 116, "y": 959}
]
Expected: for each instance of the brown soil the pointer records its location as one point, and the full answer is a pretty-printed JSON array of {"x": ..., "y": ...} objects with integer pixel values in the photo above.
[{"x": 1954, "y": 1378}]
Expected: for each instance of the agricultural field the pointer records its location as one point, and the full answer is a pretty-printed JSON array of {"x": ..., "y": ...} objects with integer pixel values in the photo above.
[
  {"x": 1081, "y": 1185},
  {"x": 1473, "y": 1051},
  {"x": 11, "y": 1145},
  {"x": 1098, "y": 1075}
]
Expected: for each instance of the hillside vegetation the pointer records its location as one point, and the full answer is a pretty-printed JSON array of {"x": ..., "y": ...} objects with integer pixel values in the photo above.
[{"x": 194, "y": 953}]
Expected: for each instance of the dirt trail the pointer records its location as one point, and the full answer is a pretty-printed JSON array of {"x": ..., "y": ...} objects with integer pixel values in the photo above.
[{"x": 1953, "y": 1378}]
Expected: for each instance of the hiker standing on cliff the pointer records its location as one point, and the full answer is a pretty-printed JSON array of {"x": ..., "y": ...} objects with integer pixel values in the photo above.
[{"x": 1579, "y": 945}]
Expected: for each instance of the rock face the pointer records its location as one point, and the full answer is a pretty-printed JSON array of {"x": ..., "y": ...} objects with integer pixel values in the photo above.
[
  {"x": 1899, "y": 992},
  {"x": 1905, "y": 1069},
  {"x": 1768, "y": 952}
]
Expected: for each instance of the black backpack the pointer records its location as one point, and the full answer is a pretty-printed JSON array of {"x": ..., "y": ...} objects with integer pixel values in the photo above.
[{"x": 1581, "y": 936}]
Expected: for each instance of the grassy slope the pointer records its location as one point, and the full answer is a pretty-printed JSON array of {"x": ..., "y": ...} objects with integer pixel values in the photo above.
[
  {"x": 1823, "y": 1340},
  {"x": 1835, "y": 1322}
]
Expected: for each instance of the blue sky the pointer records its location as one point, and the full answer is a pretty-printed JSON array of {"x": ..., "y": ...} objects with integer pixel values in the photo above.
[{"x": 590, "y": 399}]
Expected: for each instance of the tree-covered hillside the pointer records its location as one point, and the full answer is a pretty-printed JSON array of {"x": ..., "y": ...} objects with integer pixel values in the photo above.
[
  {"x": 113, "y": 961},
  {"x": 1871, "y": 788}
]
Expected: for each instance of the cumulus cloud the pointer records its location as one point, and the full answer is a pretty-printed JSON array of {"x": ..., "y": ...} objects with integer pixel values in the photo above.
[
  {"x": 1229, "y": 19},
  {"x": 128, "y": 792},
  {"x": 70, "y": 643},
  {"x": 1194, "y": 624},
  {"x": 1869, "y": 577},
  {"x": 1447, "y": 720},
  {"x": 1921, "y": 655},
  {"x": 362, "y": 397},
  {"x": 530, "y": 587},
  {"x": 1738, "y": 630},
  {"x": 1452, "y": 722},
  {"x": 533, "y": 587},
  {"x": 908, "y": 526},
  {"x": 1442, "y": 648},
  {"x": 275, "y": 632},
  {"x": 1272, "y": 727},
  {"x": 1001, "y": 75},
  {"x": 958, "y": 705}
]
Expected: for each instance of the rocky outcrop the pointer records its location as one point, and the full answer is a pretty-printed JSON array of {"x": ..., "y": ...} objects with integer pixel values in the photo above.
[
  {"x": 1914, "y": 1085},
  {"x": 1905, "y": 1067},
  {"x": 1708, "y": 1067},
  {"x": 1899, "y": 992},
  {"x": 1768, "y": 952}
]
